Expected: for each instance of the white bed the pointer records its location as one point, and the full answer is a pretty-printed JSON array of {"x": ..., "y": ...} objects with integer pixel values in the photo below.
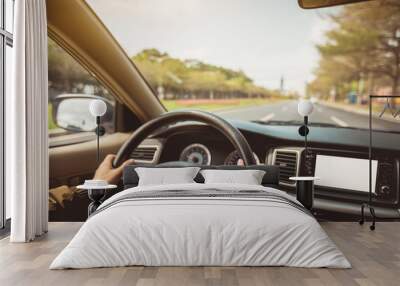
[{"x": 206, "y": 230}]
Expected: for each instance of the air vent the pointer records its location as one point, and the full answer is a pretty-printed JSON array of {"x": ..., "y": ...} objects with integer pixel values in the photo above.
[
  {"x": 144, "y": 154},
  {"x": 287, "y": 160}
]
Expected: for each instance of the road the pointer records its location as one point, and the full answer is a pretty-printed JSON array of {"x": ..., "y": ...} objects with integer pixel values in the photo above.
[{"x": 287, "y": 110}]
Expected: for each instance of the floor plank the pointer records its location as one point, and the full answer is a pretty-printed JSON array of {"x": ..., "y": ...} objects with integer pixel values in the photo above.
[{"x": 375, "y": 257}]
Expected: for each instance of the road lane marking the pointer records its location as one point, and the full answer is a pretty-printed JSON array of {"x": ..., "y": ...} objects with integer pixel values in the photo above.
[
  {"x": 284, "y": 108},
  {"x": 268, "y": 117},
  {"x": 339, "y": 122},
  {"x": 319, "y": 109}
]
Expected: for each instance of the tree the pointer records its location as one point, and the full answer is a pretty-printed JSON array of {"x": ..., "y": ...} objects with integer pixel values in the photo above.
[
  {"x": 184, "y": 77},
  {"x": 65, "y": 73},
  {"x": 364, "y": 44}
]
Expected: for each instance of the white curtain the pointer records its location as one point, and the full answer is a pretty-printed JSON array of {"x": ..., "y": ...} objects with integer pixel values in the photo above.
[{"x": 26, "y": 123}]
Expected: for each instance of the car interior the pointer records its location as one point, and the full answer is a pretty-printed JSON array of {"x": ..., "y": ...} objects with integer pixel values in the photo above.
[
  {"x": 270, "y": 142},
  {"x": 200, "y": 142}
]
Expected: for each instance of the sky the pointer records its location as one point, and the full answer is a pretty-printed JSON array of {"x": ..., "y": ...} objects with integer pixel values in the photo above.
[{"x": 267, "y": 39}]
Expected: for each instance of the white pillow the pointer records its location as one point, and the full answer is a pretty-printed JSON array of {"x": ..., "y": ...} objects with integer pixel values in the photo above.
[
  {"x": 166, "y": 176},
  {"x": 248, "y": 177}
]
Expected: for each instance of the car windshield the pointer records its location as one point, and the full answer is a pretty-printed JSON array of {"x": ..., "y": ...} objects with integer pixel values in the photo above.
[{"x": 254, "y": 60}]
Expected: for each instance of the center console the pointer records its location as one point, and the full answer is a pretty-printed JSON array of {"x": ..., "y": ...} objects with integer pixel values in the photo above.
[
  {"x": 385, "y": 176},
  {"x": 344, "y": 174}
]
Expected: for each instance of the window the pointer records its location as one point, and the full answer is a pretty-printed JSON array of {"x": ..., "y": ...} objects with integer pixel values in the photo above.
[
  {"x": 254, "y": 60},
  {"x": 71, "y": 89},
  {"x": 6, "y": 43}
]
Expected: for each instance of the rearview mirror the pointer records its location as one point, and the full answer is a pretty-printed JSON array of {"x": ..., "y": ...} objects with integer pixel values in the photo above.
[
  {"x": 312, "y": 4},
  {"x": 71, "y": 112}
]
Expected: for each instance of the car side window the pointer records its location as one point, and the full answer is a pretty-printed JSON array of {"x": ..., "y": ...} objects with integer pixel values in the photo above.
[{"x": 71, "y": 89}]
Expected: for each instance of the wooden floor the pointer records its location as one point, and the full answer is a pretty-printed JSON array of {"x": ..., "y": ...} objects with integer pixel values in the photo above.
[{"x": 375, "y": 257}]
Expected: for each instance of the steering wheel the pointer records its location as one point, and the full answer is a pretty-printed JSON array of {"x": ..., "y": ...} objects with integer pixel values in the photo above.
[{"x": 228, "y": 130}]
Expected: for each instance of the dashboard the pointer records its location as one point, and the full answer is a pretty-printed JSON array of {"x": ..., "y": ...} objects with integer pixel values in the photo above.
[
  {"x": 282, "y": 146},
  {"x": 200, "y": 154}
]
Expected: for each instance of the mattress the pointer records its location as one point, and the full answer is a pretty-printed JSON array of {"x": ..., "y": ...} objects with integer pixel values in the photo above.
[{"x": 201, "y": 225}]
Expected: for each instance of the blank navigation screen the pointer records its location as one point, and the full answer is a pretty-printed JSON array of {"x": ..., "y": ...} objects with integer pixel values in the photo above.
[{"x": 345, "y": 173}]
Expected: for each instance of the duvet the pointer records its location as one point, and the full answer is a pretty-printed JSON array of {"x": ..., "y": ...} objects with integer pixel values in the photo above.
[{"x": 203, "y": 225}]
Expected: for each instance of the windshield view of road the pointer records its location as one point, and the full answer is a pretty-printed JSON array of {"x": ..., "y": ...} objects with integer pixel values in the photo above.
[{"x": 252, "y": 65}]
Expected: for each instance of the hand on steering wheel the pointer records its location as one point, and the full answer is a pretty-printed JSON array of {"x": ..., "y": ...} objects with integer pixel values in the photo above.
[{"x": 106, "y": 171}]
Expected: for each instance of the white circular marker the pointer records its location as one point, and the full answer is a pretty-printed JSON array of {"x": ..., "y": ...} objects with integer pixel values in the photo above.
[
  {"x": 97, "y": 107},
  {"x": 305, "y": 107}
]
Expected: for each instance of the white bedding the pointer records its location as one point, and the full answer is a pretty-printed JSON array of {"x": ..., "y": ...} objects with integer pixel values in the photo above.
[{"x": 200, "y": 231}]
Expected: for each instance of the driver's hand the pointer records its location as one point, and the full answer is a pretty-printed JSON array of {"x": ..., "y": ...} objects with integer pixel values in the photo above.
[{"x": 106, "y": 172}]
